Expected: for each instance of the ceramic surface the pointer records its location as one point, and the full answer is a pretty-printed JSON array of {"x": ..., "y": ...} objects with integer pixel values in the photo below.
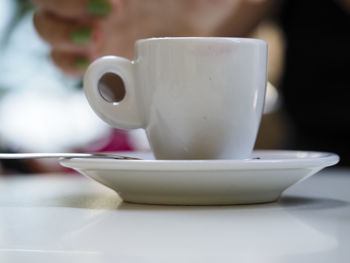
[
  {"x": 204, "y": 182},
  {"x": 197, "y": 98}
]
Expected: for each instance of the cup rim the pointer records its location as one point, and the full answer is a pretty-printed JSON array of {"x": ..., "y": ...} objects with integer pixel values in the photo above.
[{"x": 233, "y": 39}]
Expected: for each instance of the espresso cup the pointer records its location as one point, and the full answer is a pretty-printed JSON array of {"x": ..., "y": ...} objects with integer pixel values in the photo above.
[{"x": 196, "y": 97}]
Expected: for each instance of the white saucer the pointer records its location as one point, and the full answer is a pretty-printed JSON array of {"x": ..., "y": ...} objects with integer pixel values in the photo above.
[{"x": 204, "y": 182}]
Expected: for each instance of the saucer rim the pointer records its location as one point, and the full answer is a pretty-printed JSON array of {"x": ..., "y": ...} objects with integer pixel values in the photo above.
[{"x": 306, "y": 159}]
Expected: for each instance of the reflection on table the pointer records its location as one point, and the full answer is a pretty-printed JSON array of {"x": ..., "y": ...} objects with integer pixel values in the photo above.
[{"x": 71, "y": 218}]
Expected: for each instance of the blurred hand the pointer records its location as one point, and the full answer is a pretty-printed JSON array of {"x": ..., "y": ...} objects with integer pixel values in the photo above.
[{"x": 80, "y": 31}]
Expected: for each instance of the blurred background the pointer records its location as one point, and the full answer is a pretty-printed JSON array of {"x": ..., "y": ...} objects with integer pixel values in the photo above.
[{"x": 44, "y": 110}]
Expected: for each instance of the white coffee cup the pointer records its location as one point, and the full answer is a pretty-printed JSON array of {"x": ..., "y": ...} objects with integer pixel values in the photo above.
[{"x": 196, "y": 97}]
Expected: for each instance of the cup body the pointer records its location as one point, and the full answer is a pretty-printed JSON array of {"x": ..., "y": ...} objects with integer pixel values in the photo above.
[{"x": 197, "y": 98}]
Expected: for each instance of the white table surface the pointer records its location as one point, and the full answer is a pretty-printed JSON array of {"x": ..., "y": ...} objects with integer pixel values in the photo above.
[{"x": 67, "y": 218}]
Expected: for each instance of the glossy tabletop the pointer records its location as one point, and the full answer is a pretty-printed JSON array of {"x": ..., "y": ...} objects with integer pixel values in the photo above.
[{"x": 70, "y": 218}]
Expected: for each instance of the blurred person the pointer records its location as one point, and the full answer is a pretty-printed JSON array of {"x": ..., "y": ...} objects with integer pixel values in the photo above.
[
  {"x": 315, "y": 80},
  {"x": 41, "y": 110},
  {"x": 81, "y": 30}
]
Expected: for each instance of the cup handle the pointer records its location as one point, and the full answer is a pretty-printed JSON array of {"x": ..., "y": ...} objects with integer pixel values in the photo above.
[{"x": 124, "y": 114}]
